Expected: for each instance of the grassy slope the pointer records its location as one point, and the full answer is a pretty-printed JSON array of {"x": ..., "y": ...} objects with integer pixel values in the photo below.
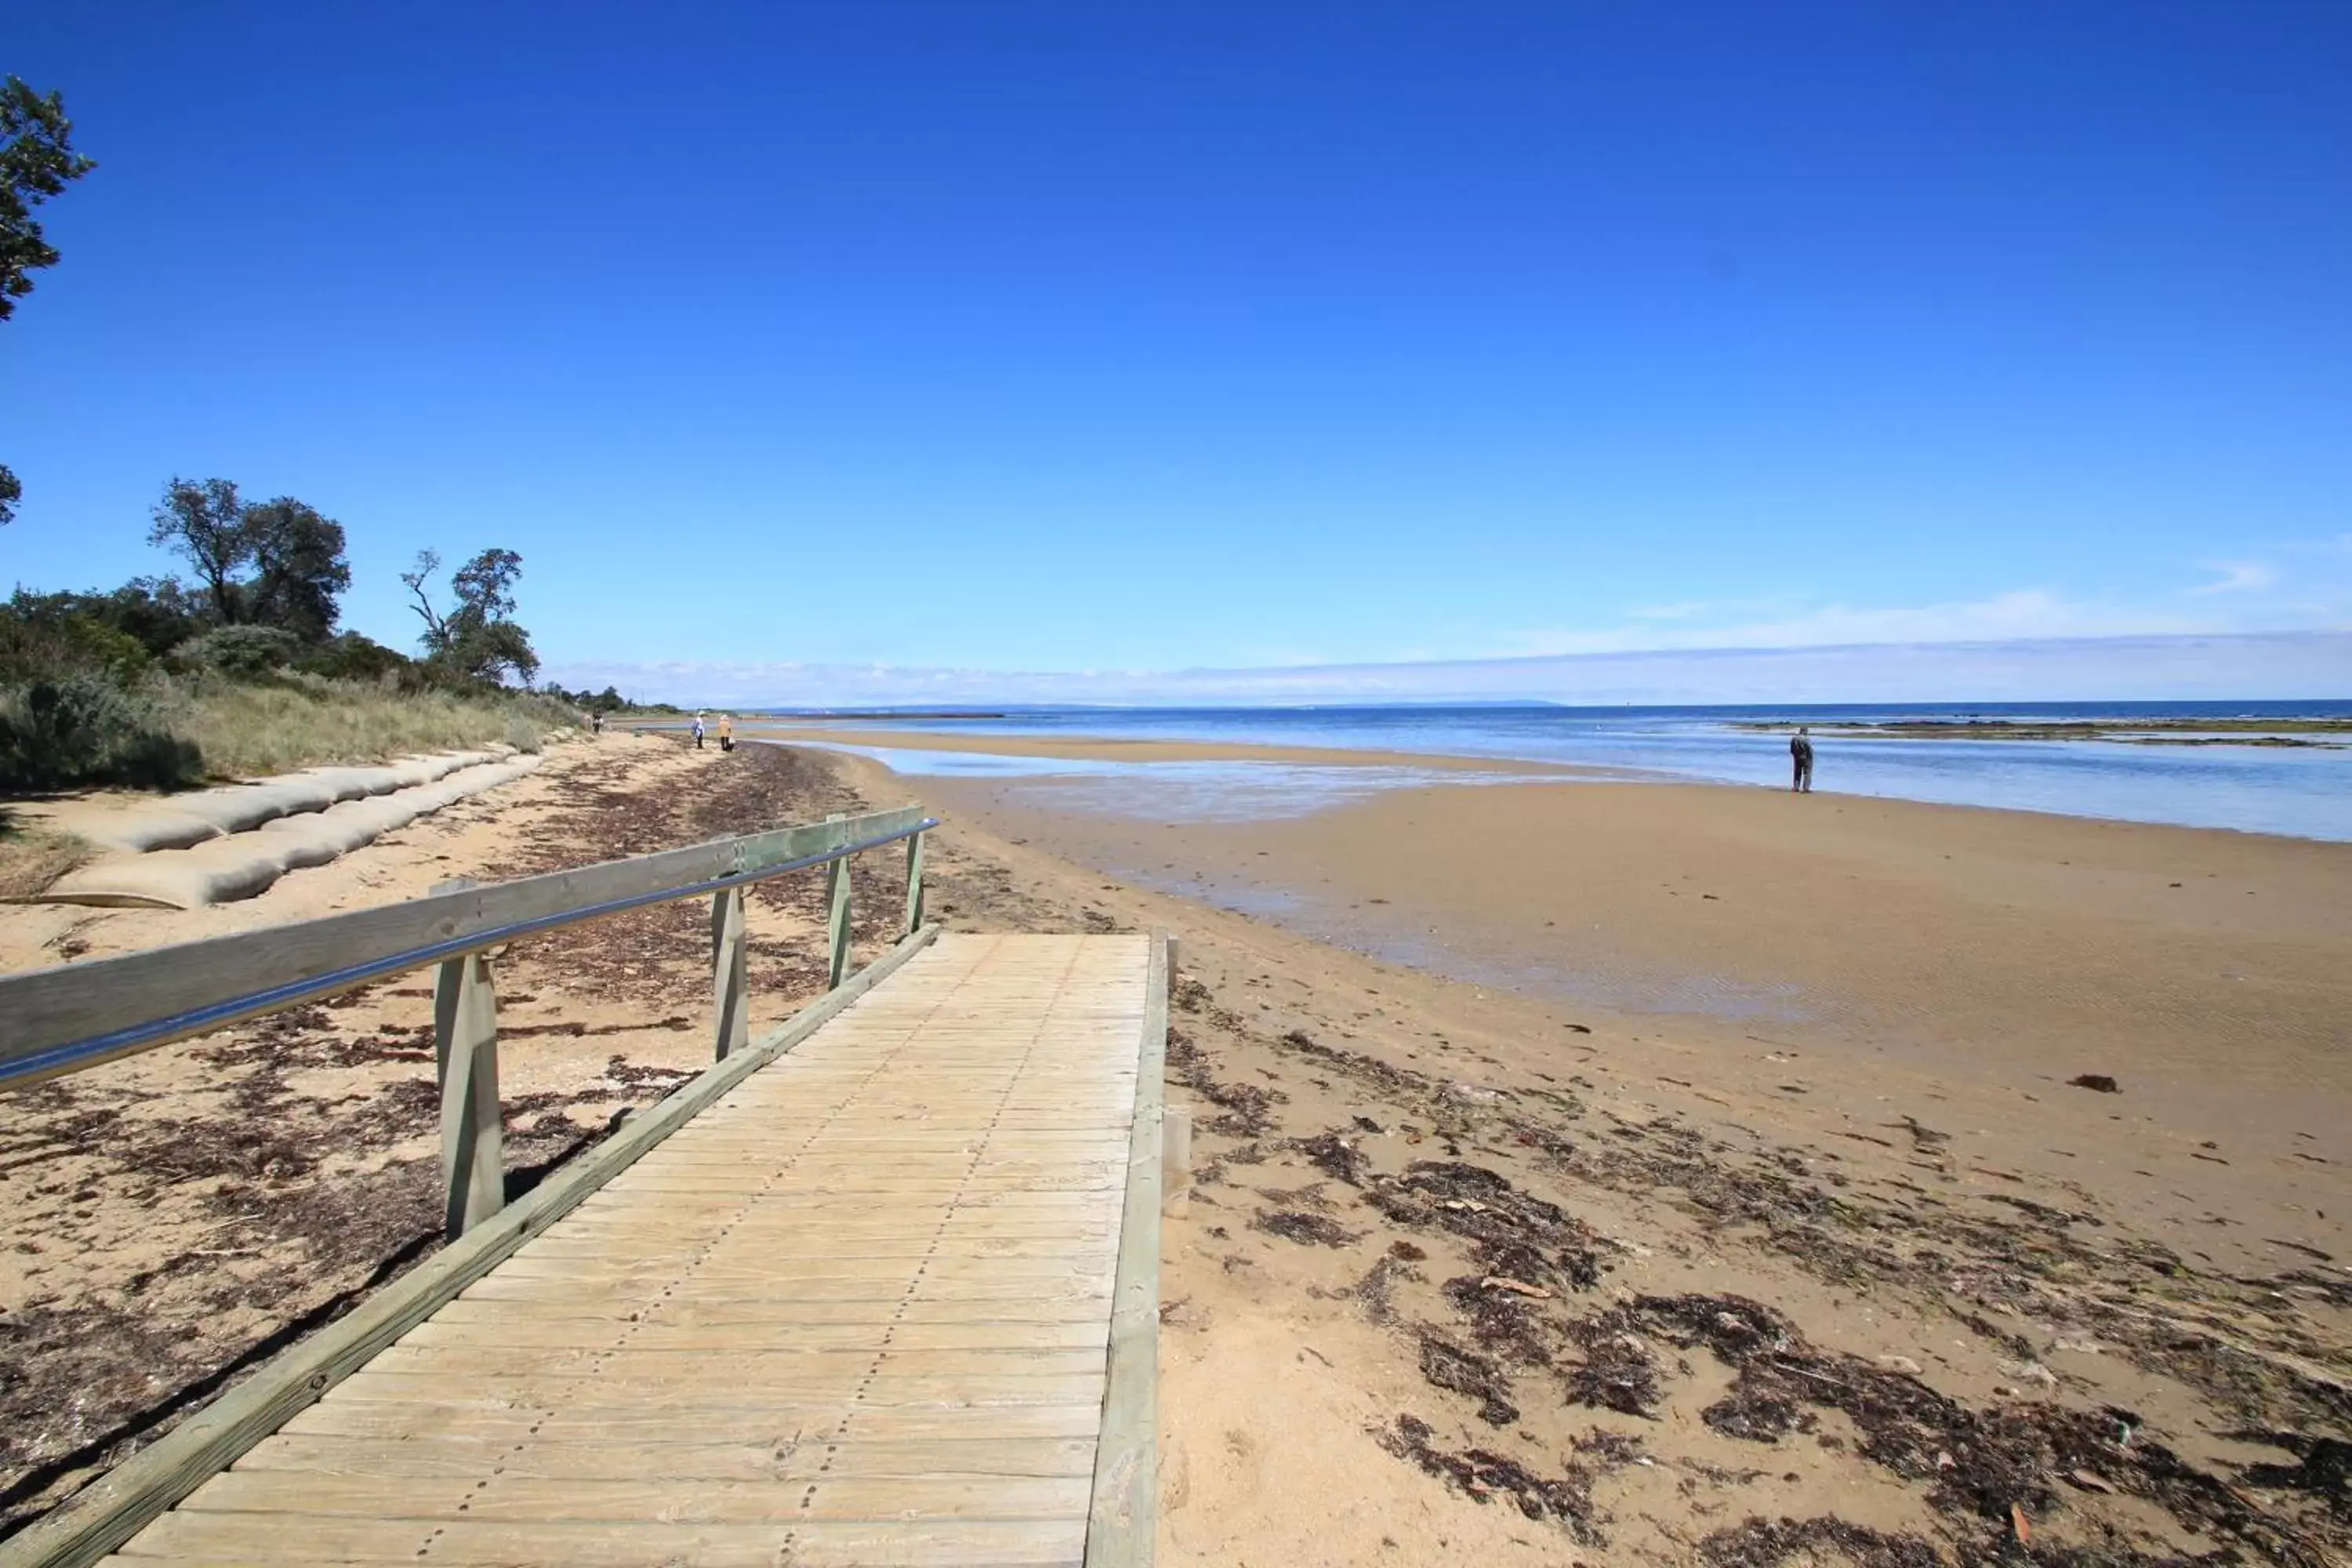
[{"x": 250, "y": 730}]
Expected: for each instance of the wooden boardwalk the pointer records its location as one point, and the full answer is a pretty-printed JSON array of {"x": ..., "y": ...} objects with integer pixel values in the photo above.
[{"x": 857, "y": 1310}]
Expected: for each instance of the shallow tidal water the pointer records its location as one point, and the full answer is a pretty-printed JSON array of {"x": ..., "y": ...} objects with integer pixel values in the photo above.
[{"x": 2300, "y": 792}]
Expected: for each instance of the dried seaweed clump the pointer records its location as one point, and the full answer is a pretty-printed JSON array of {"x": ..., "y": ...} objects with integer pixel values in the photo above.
[
  {"x": 1247, "y": 1108},
  {"x": 1449, "y": 1366},
  {"x": 1984, "y": 1467},
  {"x": 1515, "y": 1234},
  {"x": 1306, "y": 1229},
  {"x": 1767, "y": 1543},
  {"x": 1485, "y": 1476}
]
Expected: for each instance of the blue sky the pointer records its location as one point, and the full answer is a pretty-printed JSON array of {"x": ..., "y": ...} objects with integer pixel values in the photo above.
[{"x": 1006, "y": 337}]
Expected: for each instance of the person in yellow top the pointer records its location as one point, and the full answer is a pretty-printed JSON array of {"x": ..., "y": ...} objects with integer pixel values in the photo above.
[{"x": 727, "y": 731}]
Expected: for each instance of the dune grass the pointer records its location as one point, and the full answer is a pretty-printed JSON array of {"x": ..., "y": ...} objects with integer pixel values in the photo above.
[
  {"x": 33, "y": 856},
  {"x": 245, "y": 730}
]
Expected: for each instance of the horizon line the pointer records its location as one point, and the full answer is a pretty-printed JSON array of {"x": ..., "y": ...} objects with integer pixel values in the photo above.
[{"x": 2313, "y": 665}]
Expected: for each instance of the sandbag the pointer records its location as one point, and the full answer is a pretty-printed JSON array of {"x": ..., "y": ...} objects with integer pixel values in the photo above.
[
  {"x": 219, "y": 872},
  {"x": 241, "y": 865},
  {"x": 181, "y": 821}
]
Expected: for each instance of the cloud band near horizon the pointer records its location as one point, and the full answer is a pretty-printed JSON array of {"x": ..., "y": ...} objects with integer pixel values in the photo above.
[{"x": 2269, "y": 666}]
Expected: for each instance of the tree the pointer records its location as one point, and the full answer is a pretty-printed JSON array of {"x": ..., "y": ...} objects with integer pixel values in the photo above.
[
  {"x": 205, "y": 523},
  {"x": 37, "y": 160},
  {"x": 299, "y": 570},
  {"x": 477, "y": 636}
]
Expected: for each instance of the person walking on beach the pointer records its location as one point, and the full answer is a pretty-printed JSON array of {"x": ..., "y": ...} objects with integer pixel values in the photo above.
[
  {"x": 1800, "y": 752},
  {"x": 697, "y": 731},
  {"x": 727, "y": 731}
]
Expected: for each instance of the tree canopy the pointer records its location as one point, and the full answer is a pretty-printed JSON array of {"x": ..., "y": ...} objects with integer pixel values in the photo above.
[
  {"x": 205, "y": 524},
  {"x": 478, "y": 636},
  {"x": 300, "y": 571},
  {"x": 294, "y": 555},
  {"x": 36, "y": 162}
]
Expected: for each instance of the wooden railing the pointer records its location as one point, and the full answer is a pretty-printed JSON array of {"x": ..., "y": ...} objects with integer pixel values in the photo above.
[{"x": 65, "y": 1020}]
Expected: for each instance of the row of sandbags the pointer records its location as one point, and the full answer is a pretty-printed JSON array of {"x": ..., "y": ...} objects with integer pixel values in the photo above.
[
  {"x": 178, "y": 821},
  {"x": 240, "y": 865}
]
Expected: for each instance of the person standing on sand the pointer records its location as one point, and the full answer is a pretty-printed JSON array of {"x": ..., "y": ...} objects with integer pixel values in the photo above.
[
  {"x": 1800, "y": 752},
  {"x": 727, "y": 731},
  {"x": 697, "y": 731}
]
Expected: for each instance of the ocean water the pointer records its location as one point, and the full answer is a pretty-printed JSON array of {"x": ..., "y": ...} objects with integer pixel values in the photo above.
[{"x": 2301, "y": 792}]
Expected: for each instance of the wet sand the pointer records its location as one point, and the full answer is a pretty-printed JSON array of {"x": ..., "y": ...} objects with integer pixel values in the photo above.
[{"x": 1991, "y": 956}]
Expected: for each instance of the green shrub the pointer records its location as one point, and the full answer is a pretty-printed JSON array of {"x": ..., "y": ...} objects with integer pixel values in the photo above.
[
  {"x": 84, "y": 729},
  {"x": 352, "y": 657},
  {"x": 241, "y": 650},
  {"x": 95, "y": 645}
]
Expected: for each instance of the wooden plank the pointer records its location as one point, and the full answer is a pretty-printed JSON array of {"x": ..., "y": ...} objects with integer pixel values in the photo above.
[
  {"x": 559, "y": 1390},
  {"x": 744, "y": 1420},
  {"x": 820, "y": 1302},
  {"x": 1123, "y": 1519},
  {"x": 196, "y": 984},
  {"x": 112, "y": 1509},
  {"x": 542, "y": 1501},
  {"x": 785, "y": 1366},
  {"x": 551, "y": 1299},
  {"x": 749, "y": 1334},
  {"x": 1096, "y": 1247},
  {"x": 775, "y": 1459},
  {"x": 282, "y": 1538}
]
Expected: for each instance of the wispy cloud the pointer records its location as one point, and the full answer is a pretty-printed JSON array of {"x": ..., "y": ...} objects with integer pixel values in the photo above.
[
  {"x": 2021, "y": 613},
  {"x": 2275, "y": 665},
  {"x": 2250, "y": 629},
  {"x": 2238, "y": 577}
]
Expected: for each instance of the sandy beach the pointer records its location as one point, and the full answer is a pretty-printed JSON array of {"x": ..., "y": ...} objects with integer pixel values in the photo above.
[
  {"x": 1807, "y": 1057},
  {"x": 1585, "y": 1172}
]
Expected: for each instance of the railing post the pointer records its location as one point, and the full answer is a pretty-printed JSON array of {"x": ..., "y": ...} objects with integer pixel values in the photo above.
[
  {"x": 465, "y": 1044},
  {"x": 836, "y": 888},
  {"x": 914, "y": 884},
  {"x": 730, "y": 997}
]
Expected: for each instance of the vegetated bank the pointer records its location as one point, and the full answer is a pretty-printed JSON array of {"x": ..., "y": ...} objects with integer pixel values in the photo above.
[
  {"x": 112, "y": 690},
  {"x": 242, "y": 670}
]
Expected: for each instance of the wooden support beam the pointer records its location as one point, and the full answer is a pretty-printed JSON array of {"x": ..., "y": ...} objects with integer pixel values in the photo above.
[
  {"x": 836, "y": 891},
  {"x": 1175, "y": 1159},
  {"x": 914, "y": 883},
  {"x": 731, "y": 995},
  {"x": 1122, "y": 1520},
  {"x": 466, "y": 1048}
]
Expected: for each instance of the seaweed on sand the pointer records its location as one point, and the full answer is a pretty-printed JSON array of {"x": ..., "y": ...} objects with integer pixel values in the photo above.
[
  {"x": 1247, "y": 1108},
  {"x": 1981, "y": 1466},
  {"x": 1515, "y": 1234},
  {"x": 1449, "y": 1366},
  {"x": 1767, "y": 1543},
  {"x": 1484, "y": 1475},
  {"x": 1306, "y": 1229}
]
